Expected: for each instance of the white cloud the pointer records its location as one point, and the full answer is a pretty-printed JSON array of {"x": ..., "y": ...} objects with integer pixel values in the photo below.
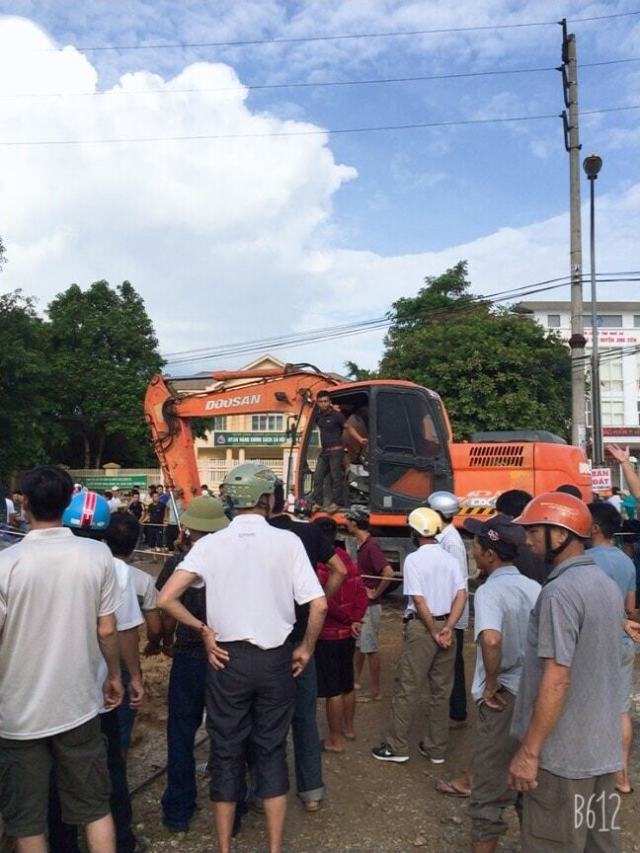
[{"x": 227, "y": 240}]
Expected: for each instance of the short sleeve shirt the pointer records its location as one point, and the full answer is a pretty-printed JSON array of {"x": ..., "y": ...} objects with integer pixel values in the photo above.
[
  {"x": 433, "y": 574},
  {"x": 371, "y": 561},
  {"x": 253, "y": 574},
  {"x": 503, "y": 603},
  {"x": 53, "y": 588},
  {"x": 452, "y": 543},
  {"x": 319, "y": 550},
  {"x": 573, "y": 622}
]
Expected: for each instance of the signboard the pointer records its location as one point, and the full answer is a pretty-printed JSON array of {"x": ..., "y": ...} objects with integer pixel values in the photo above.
[
  {"x": 601, "y": 479},
  {"x": 246, "y": 439},
  {"x": 103, "y": 484},
  {"x": 621, "y": 431}
]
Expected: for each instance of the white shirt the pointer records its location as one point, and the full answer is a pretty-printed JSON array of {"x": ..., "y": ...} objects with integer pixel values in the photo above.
[
  {"x": 53, "y": 588},
  {"x": 616, "y": 501},
  {"x": 145, "y": 587},
  {"x": 11, "y": 509},
  {"x": 114, "y": 504},
  {"x": 435, "y": 575},
  {"x": 128, "y": 616},
  {"x": 452, "y": 543},
  {"x": 291, "y": 502},
  {"x": 252, "y": 573}
]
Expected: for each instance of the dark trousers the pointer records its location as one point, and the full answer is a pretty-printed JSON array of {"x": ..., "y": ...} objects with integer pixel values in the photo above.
[
  {"x": 249, "y": 708},
  {"x": 458, "y": 698},
  {"x": 171, "y": 535},
  {"x": 186, "y": 708},
  {"x": 64, "y": 838},
  {"x": 306, "y": 740},
  {"x": 329, "y": 465}
]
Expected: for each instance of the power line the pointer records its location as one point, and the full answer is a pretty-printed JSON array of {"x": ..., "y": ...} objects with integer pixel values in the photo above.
[
  {"x": 310, "y": 85},
  {"x": 316, "y": 132},
  {"x": 342, "y": 36},
  {"x": 362, "y": 327}
]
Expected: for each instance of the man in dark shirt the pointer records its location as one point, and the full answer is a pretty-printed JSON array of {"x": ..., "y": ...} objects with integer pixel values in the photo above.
[
  {"x": 188, "y": 673},
  {"x": 330, "y": 461},
  {"x": 511, "y": 503},
  {"x": 304, "y": 726}
]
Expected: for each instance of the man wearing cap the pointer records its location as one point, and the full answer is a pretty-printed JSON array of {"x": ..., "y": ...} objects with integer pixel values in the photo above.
[
  {"x": 502, "y": 606},
  {"x": 567, "y": 717},
  {"x": 188, "y": 671},
  {"x": 252, "y": 574},
  {"x": 437, "y": 593}
]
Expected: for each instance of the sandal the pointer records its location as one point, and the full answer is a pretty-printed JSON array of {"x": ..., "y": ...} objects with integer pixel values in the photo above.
[{"x": 450, "y": 789}]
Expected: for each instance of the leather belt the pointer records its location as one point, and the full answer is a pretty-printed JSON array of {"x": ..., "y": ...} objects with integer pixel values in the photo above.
[{"x": 413, "y": 615}]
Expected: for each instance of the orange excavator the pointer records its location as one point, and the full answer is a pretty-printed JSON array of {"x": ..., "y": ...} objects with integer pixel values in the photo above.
[{"x": 411, "y": 452}]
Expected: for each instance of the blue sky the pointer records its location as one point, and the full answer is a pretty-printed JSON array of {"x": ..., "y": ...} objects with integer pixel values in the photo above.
[{"x": 273, "y": 235}]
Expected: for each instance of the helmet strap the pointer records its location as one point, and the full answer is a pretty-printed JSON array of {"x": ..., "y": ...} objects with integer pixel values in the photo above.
[{"x": 552, "y": 553}]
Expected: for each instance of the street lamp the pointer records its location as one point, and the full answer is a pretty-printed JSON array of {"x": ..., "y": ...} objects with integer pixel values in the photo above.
[{"x": 592, "y": 165}]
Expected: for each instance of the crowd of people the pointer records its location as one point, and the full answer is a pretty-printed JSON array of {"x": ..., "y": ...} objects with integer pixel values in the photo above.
[{"x": 262, "y": 614}]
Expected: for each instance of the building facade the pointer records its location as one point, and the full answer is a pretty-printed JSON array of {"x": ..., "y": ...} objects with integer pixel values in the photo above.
[{"x": 618, "y": 325}]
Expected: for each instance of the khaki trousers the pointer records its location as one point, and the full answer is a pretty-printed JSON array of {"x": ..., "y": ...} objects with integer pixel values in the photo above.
[
  {"x": 422, "y": 662},
  {"x": 572, "y": 815},
  {"x": 490, "y": 791}
]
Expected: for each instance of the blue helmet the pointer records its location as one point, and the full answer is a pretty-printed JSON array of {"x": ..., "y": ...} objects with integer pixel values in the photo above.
[{"x": 87, "y": 511}]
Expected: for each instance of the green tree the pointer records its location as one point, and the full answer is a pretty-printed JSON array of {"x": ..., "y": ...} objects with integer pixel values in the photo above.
[
  {"x": 493, "y": 369},
  {"x": 26, "y": 386},
  {"x": 105, "y": 352}
]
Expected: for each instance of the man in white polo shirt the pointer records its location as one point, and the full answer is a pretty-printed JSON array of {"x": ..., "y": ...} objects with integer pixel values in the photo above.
[
  {"x": 437, "y": 594},
  {"x": 252, "y": 574}
]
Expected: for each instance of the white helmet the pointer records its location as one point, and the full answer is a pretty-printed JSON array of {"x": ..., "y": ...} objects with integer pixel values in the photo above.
[
  {"x": 446, "y": 503},
  {"x": 425, "y": 522}
]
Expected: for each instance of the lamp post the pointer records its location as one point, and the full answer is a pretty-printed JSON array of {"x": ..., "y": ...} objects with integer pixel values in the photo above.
[{"x": 592, "y": 165}]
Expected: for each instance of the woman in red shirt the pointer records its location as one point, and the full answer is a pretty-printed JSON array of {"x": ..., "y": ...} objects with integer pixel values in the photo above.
[{"x": 336, "y": 645}]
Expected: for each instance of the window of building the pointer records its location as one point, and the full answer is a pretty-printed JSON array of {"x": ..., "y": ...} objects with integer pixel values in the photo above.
[
  {"x": 612, "y": 412},
  {"x": 636, "y": 321},
  {"x": 605, "y": 321},
  {"x": 267, "y": 423},
  {"x": 219, "y": 422},
  {"x": 553, "y": 321},
  {"x": 611, "y": 372}
]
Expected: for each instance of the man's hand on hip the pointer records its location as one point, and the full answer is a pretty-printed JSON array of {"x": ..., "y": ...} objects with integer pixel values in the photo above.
[{"x": 218, "y": 657}]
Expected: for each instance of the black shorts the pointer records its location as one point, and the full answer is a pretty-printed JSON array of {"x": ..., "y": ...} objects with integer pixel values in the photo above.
[
  {"x": 334, "y": 665},
  {"x": 77, "y": 757},
  {"x": 249, "y": 710}
]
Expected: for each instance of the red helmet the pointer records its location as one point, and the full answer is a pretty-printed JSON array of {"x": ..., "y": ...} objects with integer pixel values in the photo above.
[{"x": 558, "y": 510}]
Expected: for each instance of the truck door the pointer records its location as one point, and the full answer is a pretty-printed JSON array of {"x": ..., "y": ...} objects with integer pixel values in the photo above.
[{"x": 409, "y": 457}]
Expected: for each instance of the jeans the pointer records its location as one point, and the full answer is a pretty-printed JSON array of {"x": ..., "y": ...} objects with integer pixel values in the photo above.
[
  {"x": 186, "y": 707},
  {"x": 126, "y": 715},
  {"x": 329, "y": 464},
  {"x": 306, "y": 740},
  {"x": 458, "y": 698}
]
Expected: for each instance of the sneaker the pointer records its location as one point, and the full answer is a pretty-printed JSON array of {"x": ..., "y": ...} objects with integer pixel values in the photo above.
[
  {"x": 423, "y": 751},
  {"x": 312, "y": 806},
  {"x": 385, "y": 753}
]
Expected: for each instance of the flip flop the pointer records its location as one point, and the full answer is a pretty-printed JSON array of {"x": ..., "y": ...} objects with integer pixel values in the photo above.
[
  {"x": 348, "y": 737},
  {"x": 364, "y": 698},
  {"x": 623, "y": 792},
  {"x": 450, "y": 789}
]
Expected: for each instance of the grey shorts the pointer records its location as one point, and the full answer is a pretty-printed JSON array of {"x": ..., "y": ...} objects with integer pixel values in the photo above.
[
  {"x": 628, "y": 660},
  {"x": 367, "y": 642},
  {"x": 78, "y": 758}
]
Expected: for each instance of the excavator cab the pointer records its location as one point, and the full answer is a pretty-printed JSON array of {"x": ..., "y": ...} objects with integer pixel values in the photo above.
[{"x": 407, "y": 454}]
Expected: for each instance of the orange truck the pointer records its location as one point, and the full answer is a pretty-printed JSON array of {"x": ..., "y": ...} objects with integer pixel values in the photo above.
[{"x": 411, "y": 452}]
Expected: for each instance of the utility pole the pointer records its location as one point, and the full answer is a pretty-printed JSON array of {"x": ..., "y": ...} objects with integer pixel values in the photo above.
[{"x": 569, "y": 69}]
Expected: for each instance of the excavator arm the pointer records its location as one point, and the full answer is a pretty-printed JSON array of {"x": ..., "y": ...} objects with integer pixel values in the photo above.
[{"x": 290, "y": 390}]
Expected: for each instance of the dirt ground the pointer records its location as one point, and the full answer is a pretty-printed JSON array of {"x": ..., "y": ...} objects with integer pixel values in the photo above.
[{"x": 369, "y": 805}]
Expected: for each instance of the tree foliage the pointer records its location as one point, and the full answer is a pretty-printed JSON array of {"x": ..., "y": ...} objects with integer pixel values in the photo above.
[
  {"x": 104, "y": 353},
  {"x": 25, "y": 388},
  {"x": 494, "y": 369}
]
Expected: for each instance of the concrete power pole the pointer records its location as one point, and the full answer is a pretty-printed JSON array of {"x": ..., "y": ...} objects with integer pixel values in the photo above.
[{"x": 569, "y": 69}]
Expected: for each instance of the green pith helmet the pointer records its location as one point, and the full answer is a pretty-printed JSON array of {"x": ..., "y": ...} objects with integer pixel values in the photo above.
[
  {"x": 245, "y": 484},
  {"x": 205, "y": 514}
]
